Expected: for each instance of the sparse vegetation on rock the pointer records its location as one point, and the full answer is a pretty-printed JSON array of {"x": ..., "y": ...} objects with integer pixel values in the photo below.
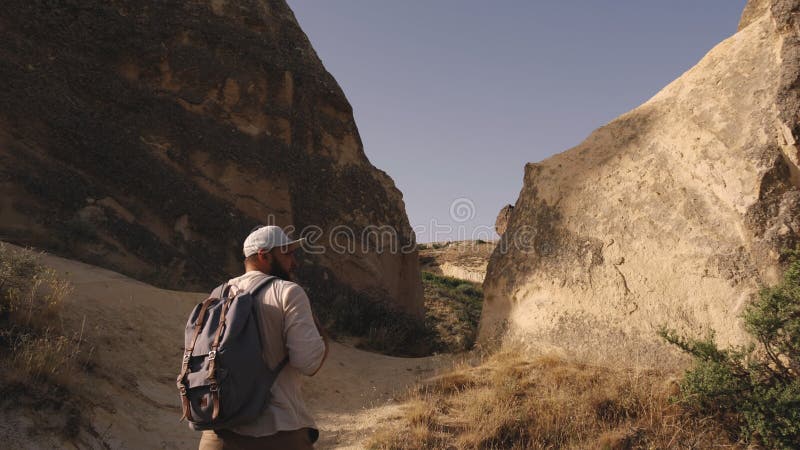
[{"x": 452, "y": 311}]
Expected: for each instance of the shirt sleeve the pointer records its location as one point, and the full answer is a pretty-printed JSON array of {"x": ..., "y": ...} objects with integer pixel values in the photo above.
[{"x": 305, "y": 345}]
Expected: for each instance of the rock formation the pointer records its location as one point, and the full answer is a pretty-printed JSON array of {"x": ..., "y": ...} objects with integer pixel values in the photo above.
[
  {"x": 465, "y": 260},
  {"x": 149, "y": 137},
  {"x": 501, "y": 223},
  {"x": 673, "y": 214}
]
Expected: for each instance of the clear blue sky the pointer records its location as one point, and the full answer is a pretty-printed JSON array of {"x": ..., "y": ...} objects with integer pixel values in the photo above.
[{"x": 453, "y": 97}]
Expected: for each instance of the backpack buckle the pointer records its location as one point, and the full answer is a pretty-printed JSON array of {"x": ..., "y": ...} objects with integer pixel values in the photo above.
[
  {"x": 212, "y": 354},
  {"x": 182, "y": 389},
  {"x": 214, "y": 387}
]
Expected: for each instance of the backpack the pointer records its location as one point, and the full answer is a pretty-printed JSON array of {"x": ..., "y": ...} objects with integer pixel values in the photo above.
[{"x": 223, "y": 380}]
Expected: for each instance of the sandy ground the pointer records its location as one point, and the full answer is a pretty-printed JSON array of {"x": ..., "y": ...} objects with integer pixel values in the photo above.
[{"x": 136, "y": 333}]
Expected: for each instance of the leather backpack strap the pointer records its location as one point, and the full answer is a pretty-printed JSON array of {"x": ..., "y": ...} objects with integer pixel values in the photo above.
[{"x": 212, "y": 360}]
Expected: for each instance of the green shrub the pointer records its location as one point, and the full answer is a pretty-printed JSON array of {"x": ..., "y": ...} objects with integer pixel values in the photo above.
[
  {"x": 380, "y": 326},
  {"x": 453, "y": 311},
  {"x": 754, "y": 389}
]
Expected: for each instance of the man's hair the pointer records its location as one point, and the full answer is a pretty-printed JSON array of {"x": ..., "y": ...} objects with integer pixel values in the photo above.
[{"x": 254, "y": 256}]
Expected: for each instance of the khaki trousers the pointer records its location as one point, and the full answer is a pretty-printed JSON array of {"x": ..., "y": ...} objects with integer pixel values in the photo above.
[{"x": 283, "y": 440}]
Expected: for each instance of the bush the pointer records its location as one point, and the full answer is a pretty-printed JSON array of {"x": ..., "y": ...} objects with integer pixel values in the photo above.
[
  {"x": 464, "y": 291},
  {"x": 754, "y": 389},
  {"x": 378, "y": 325},
  {"x": 453, "y": 311}
]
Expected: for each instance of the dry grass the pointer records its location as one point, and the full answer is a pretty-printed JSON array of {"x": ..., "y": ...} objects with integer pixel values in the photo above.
[
  {"x": 40, "y": 357},
  {"x": 39, "y": 348},
  {"x": 513, "y": 402}
]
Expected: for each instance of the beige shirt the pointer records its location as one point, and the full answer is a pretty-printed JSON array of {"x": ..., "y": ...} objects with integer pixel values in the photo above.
[{"x": 287, "y": 327}]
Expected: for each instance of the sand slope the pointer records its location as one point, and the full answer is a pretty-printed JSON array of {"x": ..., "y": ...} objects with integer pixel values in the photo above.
[{"x": 136, "y": 331}]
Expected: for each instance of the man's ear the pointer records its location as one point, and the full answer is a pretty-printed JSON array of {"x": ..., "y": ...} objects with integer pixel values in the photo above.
[{"x": 266, "y": 256}]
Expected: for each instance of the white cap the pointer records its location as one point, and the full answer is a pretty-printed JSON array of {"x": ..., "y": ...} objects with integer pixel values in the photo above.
[{"x": 267, "y": 238}]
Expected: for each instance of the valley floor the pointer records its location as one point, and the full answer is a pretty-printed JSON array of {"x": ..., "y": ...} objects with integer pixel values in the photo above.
[{"x": 128, "y": 400}]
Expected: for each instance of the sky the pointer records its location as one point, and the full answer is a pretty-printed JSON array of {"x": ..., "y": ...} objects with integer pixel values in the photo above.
[{"x": 453, "y": 97}]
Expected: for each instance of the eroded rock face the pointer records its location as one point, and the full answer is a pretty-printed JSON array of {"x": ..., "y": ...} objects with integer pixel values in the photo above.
[
  {"x": 501, "y": 223},
  {"x": 673, "y": 214},
  {"x": 149, "y": 137}
]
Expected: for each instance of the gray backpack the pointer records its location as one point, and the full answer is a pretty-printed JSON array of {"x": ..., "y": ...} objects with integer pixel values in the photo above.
[{"x": 223, "y": 380}]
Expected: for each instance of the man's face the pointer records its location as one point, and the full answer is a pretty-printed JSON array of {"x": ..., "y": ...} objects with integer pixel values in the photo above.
[{"x": 284, "y": 263}]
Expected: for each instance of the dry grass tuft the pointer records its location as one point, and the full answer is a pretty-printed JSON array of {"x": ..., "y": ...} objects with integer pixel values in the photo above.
[
  {"x": 40, "y": 358},
  {"x": 40, "y": 350},
  {"x": 511, "y": 401}
]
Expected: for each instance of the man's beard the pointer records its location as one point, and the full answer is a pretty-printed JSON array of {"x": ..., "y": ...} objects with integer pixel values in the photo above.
[{"x": 277, "y": 271}]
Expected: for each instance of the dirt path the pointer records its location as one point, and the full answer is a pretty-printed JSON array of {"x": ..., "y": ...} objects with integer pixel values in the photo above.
[
  {"x": 356, "y": 391},
  {"x": 136, "y": 332}
]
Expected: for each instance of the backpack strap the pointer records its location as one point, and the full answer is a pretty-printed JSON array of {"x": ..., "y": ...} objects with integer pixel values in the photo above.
[
  {"x": 212, "y": 357},
  {"x": 269, "y": 279},
  {"x": 280, "y": 367},
  {"x": 273, "y": 375}
]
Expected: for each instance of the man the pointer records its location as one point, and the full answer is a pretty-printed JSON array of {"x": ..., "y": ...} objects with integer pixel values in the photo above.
[{"x": 288, "y": 328}]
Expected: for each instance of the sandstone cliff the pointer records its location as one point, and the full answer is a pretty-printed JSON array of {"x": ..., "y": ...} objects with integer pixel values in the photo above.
[
  {"x": 673, "y": 214},
  {"x": 149, "y": 137}
]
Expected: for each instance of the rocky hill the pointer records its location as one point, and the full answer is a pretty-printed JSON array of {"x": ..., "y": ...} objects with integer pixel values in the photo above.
[
  {"x": 465, "y": 260},
  {"x": 672, "y": 214},
  {"x": 149, "y": 137}
]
